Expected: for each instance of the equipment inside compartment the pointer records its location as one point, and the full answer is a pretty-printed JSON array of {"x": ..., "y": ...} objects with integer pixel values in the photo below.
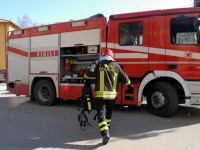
[{"x": 74, "y": 60}]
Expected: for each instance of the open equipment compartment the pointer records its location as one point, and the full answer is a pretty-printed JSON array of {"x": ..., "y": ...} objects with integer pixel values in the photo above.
[{"x": 74, "y": 60}]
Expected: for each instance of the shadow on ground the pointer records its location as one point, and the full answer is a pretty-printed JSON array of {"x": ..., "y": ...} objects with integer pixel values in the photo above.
[{"x": 57, "y": 126}]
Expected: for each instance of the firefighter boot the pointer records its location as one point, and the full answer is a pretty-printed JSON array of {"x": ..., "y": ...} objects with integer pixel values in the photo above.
[{"x": 106, "y": 139}]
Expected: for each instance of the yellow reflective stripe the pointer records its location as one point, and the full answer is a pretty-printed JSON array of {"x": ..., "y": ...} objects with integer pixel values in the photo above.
[
  {"x": 101, "y": 80},
  {"x": 102, "y": 123},
  {"x": 85, "y": 76},
  {"x": 104, "y": 128},
  {"x": 129, "y": 82},
  {"x": 106, "y": 94},
  {"x": 108, "y": 120},
  {"x": 89, "y": 104},
  {"x": 115, "y": 81}
]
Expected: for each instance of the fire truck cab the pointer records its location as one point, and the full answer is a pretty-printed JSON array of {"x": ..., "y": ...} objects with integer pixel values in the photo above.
[{"x": 159, "y": 50}]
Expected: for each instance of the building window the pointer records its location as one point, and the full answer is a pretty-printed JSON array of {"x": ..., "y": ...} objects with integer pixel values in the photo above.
[{"x": 131, "y": 33}]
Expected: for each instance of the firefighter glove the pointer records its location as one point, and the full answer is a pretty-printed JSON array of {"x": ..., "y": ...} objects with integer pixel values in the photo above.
[{"x": 130, "y": 89}]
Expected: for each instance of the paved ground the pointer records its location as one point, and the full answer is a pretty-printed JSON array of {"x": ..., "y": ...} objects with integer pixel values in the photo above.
[
  {"x": 26, "y": 125},
  {"x": 2, "y": 87}
]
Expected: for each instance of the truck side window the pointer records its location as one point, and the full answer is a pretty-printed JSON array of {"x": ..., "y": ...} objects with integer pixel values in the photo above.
[
  {"x": 182, "y": 30},
  {"x": 131, "y": 33}
]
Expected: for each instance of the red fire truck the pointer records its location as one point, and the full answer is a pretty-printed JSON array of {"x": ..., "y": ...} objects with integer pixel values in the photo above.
[{"x": 159, "y": 50}]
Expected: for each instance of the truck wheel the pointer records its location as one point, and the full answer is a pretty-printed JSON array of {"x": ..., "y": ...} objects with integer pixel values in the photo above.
[
  {"x": 162, "y": 99},
  {"x": 45, "y": 93},
  {"x": 32, "y": 98}
]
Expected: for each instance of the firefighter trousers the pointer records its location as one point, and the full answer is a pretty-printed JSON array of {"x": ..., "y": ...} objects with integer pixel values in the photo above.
[{"x": 104, "y": 110}]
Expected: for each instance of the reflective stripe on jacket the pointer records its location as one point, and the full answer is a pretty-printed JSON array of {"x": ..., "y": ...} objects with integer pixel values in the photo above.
[{"x": 108, "y": 73}]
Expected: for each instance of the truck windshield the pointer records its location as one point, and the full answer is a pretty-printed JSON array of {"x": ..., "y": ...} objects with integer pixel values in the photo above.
[{"x": 183, "y": 31}]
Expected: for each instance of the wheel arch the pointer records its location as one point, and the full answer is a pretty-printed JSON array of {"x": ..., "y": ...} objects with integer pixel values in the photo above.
[{"x": 169, "y": 76}]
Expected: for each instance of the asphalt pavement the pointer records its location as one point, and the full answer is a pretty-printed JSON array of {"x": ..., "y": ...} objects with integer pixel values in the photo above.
[{"x": 25, "y": 125}]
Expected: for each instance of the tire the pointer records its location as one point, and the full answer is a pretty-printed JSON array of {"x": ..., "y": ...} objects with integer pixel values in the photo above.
[
  {"x": 32, "y": 98},
  {"x": 44, "y": 92},
  {"x": 162, "y": 99}
]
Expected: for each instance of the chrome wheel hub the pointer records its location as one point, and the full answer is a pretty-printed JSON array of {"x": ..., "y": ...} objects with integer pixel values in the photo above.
[
  {"x": 44, "y": 93},
  {"x": 157, "y": 100}
]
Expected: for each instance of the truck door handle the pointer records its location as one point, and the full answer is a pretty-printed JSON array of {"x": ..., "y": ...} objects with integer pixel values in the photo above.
[{"x": 171, "y": 66}]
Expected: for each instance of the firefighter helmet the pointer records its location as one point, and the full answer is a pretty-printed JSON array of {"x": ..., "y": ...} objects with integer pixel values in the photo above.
[{"x": 107, "y": 51}]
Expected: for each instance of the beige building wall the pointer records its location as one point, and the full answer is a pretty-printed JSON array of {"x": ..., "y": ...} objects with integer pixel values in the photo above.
[{"x": 5, "y": 27}]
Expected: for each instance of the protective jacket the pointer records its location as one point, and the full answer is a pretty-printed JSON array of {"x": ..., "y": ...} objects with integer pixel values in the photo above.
[{"x": 108, "y": 73}]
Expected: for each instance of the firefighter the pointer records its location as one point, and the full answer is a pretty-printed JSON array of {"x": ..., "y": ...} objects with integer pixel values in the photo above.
[{"x": 108, "y": 73}]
